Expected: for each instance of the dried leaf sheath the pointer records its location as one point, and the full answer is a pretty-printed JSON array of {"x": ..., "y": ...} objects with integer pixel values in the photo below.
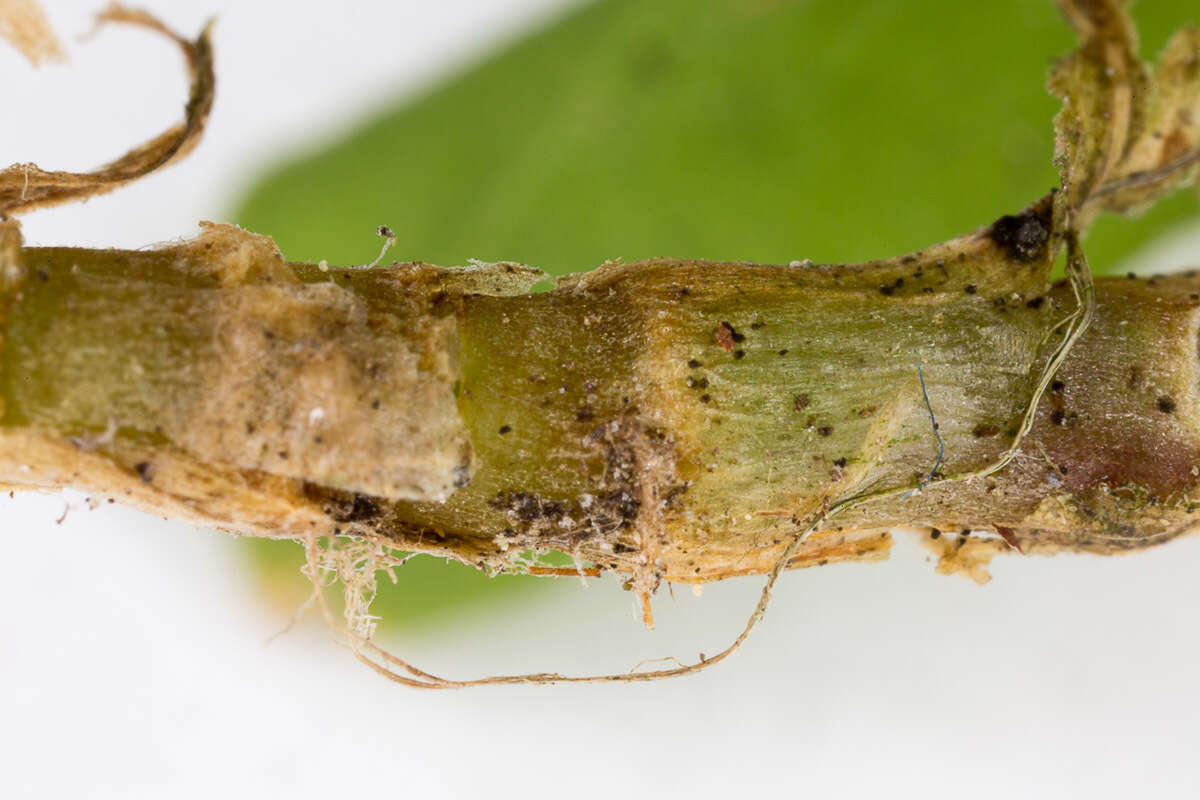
[
  {"x": 24, "y": 187},
  {"x": 24, "y": 25}
]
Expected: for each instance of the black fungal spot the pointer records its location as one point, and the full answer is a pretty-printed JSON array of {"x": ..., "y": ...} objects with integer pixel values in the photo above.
[
  {"x": 756, "y": 324},
  {"x": 934, "y": 533},
  {"x": 375, "y": 404},
  {"x": 462, "y": 477},
  {"x": 970, "y": 288},
  {"x": 693, "y": 363},
  {"x": 840, "y": 462},
  {"x": 801, "y": 401},
  {"x": 1057, "y": 387},
  {"x": 505, "y": 429},
  {"x": 522, "y": 506},
  {"x": 886, "y": 290},
  {"x": 1058, "y": 417},
  {"x": 1021, "y": 236},
  {"x": 360, "y": 509},
  {"x": 783, "y": 352},
  {"x": 739, "y": 353},
  {"x": 1035, "y": 303},
  {"x": 1165, "y": 404},
  {"x": 145, "y": 471},
  {"x": 705, "y": 398},
  {"x": 825, "y": 430}
]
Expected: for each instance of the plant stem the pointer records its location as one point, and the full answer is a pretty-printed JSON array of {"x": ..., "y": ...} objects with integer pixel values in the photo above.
[{"x": 671, "y": 420}]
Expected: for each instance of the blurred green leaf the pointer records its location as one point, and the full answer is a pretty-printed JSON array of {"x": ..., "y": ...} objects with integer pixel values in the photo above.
[{"x": 760, "y": 130}]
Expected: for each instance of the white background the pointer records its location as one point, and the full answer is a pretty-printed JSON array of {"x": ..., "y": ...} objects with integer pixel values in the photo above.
[{"x": 133, "y": 660}]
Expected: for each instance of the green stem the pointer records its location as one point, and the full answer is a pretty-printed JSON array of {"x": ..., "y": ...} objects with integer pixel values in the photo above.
[{"x": 671, "y": 420}]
